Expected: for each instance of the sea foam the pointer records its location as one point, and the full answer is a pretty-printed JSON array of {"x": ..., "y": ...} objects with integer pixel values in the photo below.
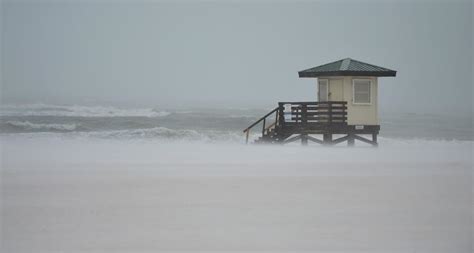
[
  {"x": 26, "y": 125},
  {"x": 77, "y": 111}
]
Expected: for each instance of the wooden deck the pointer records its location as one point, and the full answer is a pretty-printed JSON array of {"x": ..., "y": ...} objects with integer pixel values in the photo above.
[{"x": 293, "y": 121}]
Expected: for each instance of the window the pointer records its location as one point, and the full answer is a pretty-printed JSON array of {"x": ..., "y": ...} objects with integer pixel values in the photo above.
[
  {"x": 361, "y": 91},
  {"x": 323, "y": 90}
]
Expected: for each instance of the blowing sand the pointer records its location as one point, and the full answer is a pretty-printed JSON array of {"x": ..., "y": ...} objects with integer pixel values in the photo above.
[{"x": 88, "y": 195}]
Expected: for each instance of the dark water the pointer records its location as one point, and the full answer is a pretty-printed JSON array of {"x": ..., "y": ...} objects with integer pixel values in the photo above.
[
  {"x": 426, "y": 126},
  {"x": 225, "y": 124}
]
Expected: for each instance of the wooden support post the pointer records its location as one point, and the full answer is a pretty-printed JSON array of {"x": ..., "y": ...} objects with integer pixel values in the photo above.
[
  {"x": 327, "y": 139},
  {"x": 263, "y": 127},
  {"x": 350, "y": 140},
  {"x": 330, "y": 113},
  {"x": 281, "y": 114},
  {"x": 277, "y": 113},
  {"x": 304, "y": 139},
  {"x": 247, "y": 136},
  {"x": 304, "y": 116},
  {"x": 374, "y": 139}
]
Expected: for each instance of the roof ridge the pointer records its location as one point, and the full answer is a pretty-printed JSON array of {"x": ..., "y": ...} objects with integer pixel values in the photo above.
[
  {"x": 371, "y": 65},
  {"x": 324, "y": 64},
  {"x": 345, "y": 64}
]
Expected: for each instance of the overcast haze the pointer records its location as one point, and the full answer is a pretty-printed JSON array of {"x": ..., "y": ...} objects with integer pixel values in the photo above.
[{"x": 233, "y": 54}]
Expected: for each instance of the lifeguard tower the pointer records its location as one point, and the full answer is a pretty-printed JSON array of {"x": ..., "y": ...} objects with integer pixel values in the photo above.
[{"x": 346, "y": 106}]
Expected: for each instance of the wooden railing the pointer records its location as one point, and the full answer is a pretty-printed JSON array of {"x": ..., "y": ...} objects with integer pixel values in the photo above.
[
  {"x": 310, "y": 113},
  {"x": 303, "y": 114}
]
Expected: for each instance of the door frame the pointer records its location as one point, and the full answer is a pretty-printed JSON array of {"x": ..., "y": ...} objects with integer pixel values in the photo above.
[{"x": 327, "y": 89}]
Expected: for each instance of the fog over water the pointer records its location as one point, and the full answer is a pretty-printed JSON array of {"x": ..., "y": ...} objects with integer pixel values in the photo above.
[
  {"x": 160, "y": 54},
  {"x": 194, "y": 124}
]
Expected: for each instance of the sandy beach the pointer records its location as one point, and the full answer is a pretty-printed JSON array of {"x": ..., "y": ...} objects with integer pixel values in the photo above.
[{"x": 86, "y": 195}]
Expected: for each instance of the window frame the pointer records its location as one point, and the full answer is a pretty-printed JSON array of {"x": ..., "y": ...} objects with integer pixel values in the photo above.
[
  {"x": 327, "y": 89},
  {"x": 353, "y": 91}
]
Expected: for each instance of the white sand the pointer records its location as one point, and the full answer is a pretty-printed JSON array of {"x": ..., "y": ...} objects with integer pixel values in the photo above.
[{"x": 85, "y": 195}]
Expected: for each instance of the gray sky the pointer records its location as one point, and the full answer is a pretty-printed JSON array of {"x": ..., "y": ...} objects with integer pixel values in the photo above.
[{"x": 239, "y": 54}]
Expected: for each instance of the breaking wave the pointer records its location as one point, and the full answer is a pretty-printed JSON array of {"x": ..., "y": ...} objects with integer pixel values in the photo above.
[
  {"x": 169, "y": 134},
  {"x": 149, "y": 134},
  {"x": 28, "y": 126},
  {"x": 77, "y": 111}
]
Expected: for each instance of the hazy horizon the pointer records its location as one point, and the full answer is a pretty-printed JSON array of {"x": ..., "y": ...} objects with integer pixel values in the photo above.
[{"x": 235, "y": 55}]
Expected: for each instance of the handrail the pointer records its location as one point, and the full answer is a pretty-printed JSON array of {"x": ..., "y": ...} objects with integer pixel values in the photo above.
[
  {"x": 314, "y": 102},
  {"x": 247, "y": 130},
  {"x": 262, "y": 118}
]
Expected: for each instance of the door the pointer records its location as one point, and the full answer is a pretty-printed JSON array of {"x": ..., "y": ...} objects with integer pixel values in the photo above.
[
  {"x": 335, "y": 90},
  {"x": 323, "y": 90}
]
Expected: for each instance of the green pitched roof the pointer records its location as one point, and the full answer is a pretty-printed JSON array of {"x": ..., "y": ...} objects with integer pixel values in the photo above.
[{"x": 347, "y": 67}]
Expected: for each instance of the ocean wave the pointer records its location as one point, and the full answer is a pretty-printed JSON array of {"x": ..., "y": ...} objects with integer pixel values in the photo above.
[
  {"x": 77, "y": 111},
  {"x": 169, "y": 134},
  {"x": 67, "y": 131},
  {"x": 28, "y": 126}
]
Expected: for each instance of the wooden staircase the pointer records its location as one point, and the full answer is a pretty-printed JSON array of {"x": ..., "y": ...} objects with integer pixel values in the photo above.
[{"x": 272, "y": 135}]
